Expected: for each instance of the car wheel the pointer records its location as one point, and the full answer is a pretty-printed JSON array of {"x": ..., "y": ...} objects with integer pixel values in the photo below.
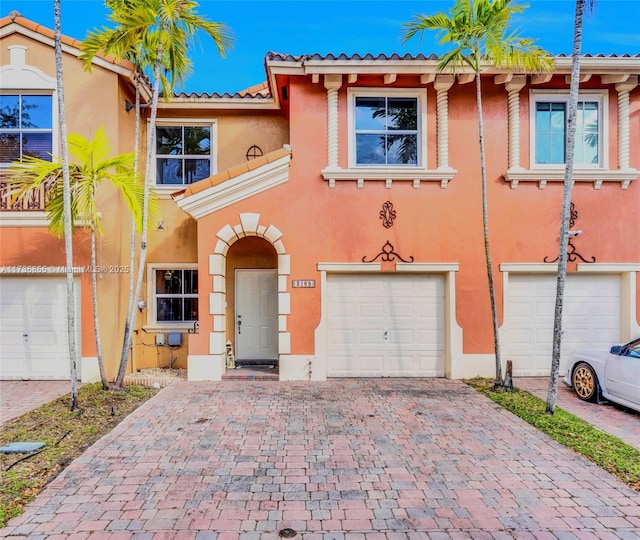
[{"x": 585, "y": 382}]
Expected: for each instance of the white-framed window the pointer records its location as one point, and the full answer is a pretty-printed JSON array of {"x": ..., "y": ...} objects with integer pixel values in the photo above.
[
  {"x": 185, "y": 151},
  {"x": 26, "y": 126},
  {"x": 172, "y": 295},
  {"x": 386, "y": 127},
  {"x": 549, "y": 111}
]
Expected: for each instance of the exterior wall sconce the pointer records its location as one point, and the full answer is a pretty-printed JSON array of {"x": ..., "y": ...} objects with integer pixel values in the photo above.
[{"x": 128, "y": 105}]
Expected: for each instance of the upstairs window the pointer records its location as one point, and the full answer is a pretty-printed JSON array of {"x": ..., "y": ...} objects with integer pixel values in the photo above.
[
  {"x": 550, "y": 125},
  {"x": 176, "y": 295},
  {"x": 184, "y": 153},
  {"x": 26, "y": 127},
  {"x": 386, "y": 128}
]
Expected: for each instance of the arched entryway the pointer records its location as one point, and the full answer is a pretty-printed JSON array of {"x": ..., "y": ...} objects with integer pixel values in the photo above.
[
  {"x": 252, "y": 301},
  {"x": 248, "y": 247}
]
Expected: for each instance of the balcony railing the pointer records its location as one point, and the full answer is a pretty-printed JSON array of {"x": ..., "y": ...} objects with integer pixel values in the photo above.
[{"x": 35, "y": 203}]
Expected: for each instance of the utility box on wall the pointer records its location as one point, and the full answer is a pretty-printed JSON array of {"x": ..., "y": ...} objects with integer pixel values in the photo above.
[{"x": 174, "y": 339}]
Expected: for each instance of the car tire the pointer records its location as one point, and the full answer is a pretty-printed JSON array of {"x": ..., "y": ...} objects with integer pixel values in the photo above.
[{"x": 585, "y": 382}]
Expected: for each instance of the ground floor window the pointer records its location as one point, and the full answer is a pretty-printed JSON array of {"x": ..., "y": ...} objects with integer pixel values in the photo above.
[{"x": 176, "y": 295}]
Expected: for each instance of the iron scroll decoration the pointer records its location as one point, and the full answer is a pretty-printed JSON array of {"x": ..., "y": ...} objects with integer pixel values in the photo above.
[
  {"x": 572, "y": 254},
  {"x": 387, "y": 254},
  {"x": 387, "y": 215}
]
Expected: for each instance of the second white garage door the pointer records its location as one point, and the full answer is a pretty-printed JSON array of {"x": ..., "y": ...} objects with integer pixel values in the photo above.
[
  {"x": 385, "y": 326},
  {"x": 33, "y": 327},
  {"x": 591, "y": 318}
]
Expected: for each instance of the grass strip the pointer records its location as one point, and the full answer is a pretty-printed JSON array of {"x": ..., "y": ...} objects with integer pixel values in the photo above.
[
  {"x": 608, "y": 452},
  {"x": 66, "y": 434}
]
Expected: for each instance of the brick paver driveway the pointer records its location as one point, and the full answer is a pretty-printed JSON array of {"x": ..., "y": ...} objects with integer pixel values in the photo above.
[{"x": 352, "y": 459}]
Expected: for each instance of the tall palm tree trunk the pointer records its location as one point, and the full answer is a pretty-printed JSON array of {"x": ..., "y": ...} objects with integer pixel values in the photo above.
[
  {"x": 485, "y": 229},
  {"x": 132, "y": 303},
  {"x": 552, "y": 395},
  {"x": 66, "y": 189},
  {"x": 145, "y": 213},
  {"x": 94, "y": 298}
]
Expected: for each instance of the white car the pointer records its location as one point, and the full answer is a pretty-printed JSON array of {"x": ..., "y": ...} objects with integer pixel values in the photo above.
[{"x": 613, "y": 375}]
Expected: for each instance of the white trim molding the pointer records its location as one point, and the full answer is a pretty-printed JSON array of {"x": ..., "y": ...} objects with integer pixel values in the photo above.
[
  {"x": 164, "y": 191},
  {"x": 212, "y": 365},
  {"x": 598, "y": 175},
  {"x": 152, "y": 325},
  {"x": 361, "y": 173},
  {"x": 315, "y": 367},
  {"x": 235, "y": 189}
]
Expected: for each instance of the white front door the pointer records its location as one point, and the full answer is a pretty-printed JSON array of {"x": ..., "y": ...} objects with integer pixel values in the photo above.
[{"x": 256, "y": 315}]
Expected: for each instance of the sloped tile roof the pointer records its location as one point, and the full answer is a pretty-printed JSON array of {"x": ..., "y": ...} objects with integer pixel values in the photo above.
[
  {"x": 231, "y": 173},
  {"x": 15, "y": 18},
  {"x": 283, "y": 57}
]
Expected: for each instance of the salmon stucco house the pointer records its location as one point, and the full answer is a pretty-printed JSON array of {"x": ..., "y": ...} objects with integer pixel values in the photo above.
[{"x": 329, "y": 221}]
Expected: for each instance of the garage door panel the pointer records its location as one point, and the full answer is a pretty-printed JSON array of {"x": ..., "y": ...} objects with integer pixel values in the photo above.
[
  {"x": 591, "y": 318},
  {"x": 410, "y": 309},
  {"x": 33, "y": 327}
]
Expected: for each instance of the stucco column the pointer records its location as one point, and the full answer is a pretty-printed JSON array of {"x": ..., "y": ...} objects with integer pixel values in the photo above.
[
  {"x": 623, "y": 90},
  {"x": 442, "y": 85},
  {"x": 513, "y": 88},
  {"x": 332, "y": 83}
]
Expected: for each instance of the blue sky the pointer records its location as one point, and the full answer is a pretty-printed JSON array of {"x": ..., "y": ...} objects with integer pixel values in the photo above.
[{"x": 350, "y": 26}]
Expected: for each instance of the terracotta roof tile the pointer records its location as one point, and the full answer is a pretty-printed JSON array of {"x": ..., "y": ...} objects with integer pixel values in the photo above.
[
  {"x": 15, "y": 18},
  {"x": 283, "y": 57},
  {"x": 232, "y": 172},
  {"x": 257, "y": 89}
]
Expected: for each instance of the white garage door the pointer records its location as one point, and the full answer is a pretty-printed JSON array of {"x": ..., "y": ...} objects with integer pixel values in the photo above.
[
  {"x": 33, "y": 327},
  {"x": 591, "y": 319},
  {"x": 385, "y": 326}
]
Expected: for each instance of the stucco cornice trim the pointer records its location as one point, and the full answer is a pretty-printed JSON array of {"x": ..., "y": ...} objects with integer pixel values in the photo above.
[
  {"x": 443, "y": 175},
  {"x": 600, "y": 65},
  {"x": 597, "y": 176},
  {"x": 236, "y": 189},
  {"x": 336, "y": 267},
  {"x": 23, "y": 219}
]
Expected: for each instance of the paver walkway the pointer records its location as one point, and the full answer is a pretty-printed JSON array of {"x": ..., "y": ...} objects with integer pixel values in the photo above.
[
  {"x": 611, "y": 418},
  {"x": 20, "y": 397},
  {"x": 344, "y": 459}
]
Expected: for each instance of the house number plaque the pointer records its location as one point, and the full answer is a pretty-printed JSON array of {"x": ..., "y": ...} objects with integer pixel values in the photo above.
[{"x": 303, "y": 283}]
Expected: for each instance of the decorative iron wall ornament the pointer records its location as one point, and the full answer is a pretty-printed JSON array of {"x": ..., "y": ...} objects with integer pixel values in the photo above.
[
  {"x": 572, "y": 254},
  {"x": 387, "y": 215},
  {"x": 254, "y": 152},
  {"x": 387, "y": 254}
]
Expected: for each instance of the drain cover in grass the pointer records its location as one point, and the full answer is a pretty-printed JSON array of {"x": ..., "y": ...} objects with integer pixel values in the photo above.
[{"x": 21, "y": 447}]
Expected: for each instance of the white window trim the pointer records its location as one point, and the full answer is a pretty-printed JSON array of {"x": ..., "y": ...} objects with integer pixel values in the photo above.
[
  {"x": 408, "y": 173},
  {"x": 18, "y": 77},
  {"x": 419, "y": 94},
  {"x": 152, "y": 325},
  {"x": 598, "y": 175},
  {"x": 54, "y": 115},
  {"x": 164, "y": 191},
  {"x": 562, "y": 96}
]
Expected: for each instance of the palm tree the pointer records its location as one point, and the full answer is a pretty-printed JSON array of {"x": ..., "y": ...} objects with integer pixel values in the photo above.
[
  {"x": 566, "y": 203},
  {"x": 66, "y": 195},
  {"x": 162, "y": 30},
  {"x": 91, "y": 168},
  {"x": 480, "y": 34}
]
